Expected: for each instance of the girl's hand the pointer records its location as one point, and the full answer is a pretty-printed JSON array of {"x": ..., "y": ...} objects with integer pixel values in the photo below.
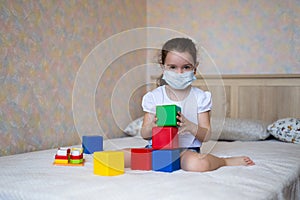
[{"x": 185, "y": 125}]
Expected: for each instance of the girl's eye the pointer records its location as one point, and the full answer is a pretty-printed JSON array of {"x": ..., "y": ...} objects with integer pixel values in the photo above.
[
  {"x": 172, "y": 67},
  {"x": 184, "y": 67},
  {"x": 187, "y": 67}
]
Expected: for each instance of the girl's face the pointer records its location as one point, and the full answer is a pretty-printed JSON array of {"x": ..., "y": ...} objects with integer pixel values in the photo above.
[{"x": 179, "y": 62}]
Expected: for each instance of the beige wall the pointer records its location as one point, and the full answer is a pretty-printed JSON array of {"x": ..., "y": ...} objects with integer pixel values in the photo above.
[
  {"x": 242, "y": 37},
  {"x": 43, "y": 44}
]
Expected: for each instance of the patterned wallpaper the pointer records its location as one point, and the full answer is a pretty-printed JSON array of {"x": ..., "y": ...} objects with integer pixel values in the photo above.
[
  {"x": 241, "y": 36},
  {"x": 43, "y": 44}
]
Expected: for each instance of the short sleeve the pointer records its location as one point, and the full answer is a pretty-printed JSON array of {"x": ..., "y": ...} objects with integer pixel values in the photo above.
[
  {"x": 204, "y": 102},
  {"x": 148, "y": 103}
]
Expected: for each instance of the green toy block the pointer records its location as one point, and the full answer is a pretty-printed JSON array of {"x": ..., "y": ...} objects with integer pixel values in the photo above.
[{"x": 166, "y": 115}]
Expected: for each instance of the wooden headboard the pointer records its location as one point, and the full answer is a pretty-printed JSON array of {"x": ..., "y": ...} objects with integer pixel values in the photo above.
[{"x": 261, "y": 97}]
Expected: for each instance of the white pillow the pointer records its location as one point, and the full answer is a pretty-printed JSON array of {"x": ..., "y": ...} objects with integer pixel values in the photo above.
[
  {"x": 238, "y": 129},
  {"x": 134, "y": 128},
  {"x": 233, "y": 129},
  {"x": 287, "y": 130}
]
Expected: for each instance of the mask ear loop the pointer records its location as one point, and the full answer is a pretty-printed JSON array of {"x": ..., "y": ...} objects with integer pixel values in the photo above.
[{"x": 159, "y": 80}]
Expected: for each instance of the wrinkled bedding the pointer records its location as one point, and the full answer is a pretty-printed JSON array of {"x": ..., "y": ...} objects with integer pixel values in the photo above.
[{"x": 276, "y": 175}]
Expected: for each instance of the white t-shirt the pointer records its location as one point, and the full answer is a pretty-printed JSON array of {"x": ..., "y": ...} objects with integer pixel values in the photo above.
[{"x": 197, "y": 101}]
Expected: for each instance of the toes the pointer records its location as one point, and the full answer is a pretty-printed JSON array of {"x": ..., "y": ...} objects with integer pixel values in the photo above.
[{"x": 248, "y": 161}]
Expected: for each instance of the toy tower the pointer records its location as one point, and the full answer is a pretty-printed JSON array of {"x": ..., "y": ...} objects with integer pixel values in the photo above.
[
  {"x": 165, "y": 154},
  {"x": 165, "y": 144}
]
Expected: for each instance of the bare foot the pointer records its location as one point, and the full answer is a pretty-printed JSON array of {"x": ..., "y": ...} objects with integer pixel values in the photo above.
[{"x": 238, "y": 161}]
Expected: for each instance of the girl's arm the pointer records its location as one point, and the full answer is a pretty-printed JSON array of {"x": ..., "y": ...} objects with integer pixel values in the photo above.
[
  {"x": 200, "y": 131},
  {"x": 148, "y": 123}
]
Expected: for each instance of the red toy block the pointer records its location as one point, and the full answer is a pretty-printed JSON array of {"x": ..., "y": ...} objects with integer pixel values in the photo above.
[
  {"x": 61, "y": 157},
  {"x": 76, "y": 157},
  {"x": 164, "y": 137},
  {"x": 141, "y": 159}
]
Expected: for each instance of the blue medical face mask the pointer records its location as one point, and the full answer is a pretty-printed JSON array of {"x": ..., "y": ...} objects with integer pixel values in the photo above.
[{"x": 179, "y": 81}]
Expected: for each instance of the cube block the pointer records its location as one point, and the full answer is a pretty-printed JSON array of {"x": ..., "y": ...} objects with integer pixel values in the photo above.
[
  {"x": 91, "y": 144},
  {"x": 166, "y": 115},
  {"x": 166, "y": 160},
  {"x": 108, "y": 163},
  {"x": 141, "y": 159},
  {"x": 165, "y": 137}
]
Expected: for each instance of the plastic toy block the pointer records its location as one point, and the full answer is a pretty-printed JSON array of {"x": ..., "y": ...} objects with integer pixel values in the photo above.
[
  {"x": 165, "y": 137},
  {"x": 62, "y": 151},
  {"x": 61, "y": 161},
  {"x": 76, "y": 151},
  {"x": 166, "y": 115},
  {"x": 76, "y": 157},
  {"x": 76, "y": 161},
  {"x": 141, "y": 159},
  {"x": 91, "y": 144},
  {"x": 166, "y": 160},
  {"x": 61, "y": 157},
  {"x": 109, "y": 163}
]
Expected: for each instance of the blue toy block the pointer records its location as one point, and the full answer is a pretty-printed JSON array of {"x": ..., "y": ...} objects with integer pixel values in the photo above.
[
  {"x": 166, "y": 160},
  {"x": 91, "y": 144}
]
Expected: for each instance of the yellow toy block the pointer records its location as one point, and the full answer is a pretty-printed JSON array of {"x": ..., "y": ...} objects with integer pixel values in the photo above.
[
  {"x": 108, "y": 163},
  {"x": 61, "y": 161}
]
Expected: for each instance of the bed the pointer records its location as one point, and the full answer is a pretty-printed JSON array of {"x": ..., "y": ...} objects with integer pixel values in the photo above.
[{"x": 276, "y": 174}]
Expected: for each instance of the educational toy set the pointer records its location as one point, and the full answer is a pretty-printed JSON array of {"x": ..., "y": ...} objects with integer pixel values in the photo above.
[
  {"x": 69, "y": 157},
  {"x": 163, "y": 156}
]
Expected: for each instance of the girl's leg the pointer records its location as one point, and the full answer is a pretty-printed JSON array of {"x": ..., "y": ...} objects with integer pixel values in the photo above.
[{"x": 192, "y": 161}]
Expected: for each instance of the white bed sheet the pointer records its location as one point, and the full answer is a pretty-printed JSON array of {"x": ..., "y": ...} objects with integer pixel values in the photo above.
[{"x": 275, "y": 176}]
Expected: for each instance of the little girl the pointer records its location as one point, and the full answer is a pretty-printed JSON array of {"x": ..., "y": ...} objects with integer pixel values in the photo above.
[{"x": 178, "y": 60}]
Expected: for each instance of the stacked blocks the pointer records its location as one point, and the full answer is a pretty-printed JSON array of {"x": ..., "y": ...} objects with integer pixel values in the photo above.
[
  {"x": 166, "y": 153},
  {"x": 69, "y": 157},
  {"x": 109, "y": 163},
  {"x": 91, "y": 144},
  {"x": 62, "y": 156},
  {"x": 141, "y": 159},
  {"x": 76, "y": 156}
]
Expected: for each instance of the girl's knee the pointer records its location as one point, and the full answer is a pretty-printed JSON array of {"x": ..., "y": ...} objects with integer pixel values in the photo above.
[{"x": 193, "y": 162}]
